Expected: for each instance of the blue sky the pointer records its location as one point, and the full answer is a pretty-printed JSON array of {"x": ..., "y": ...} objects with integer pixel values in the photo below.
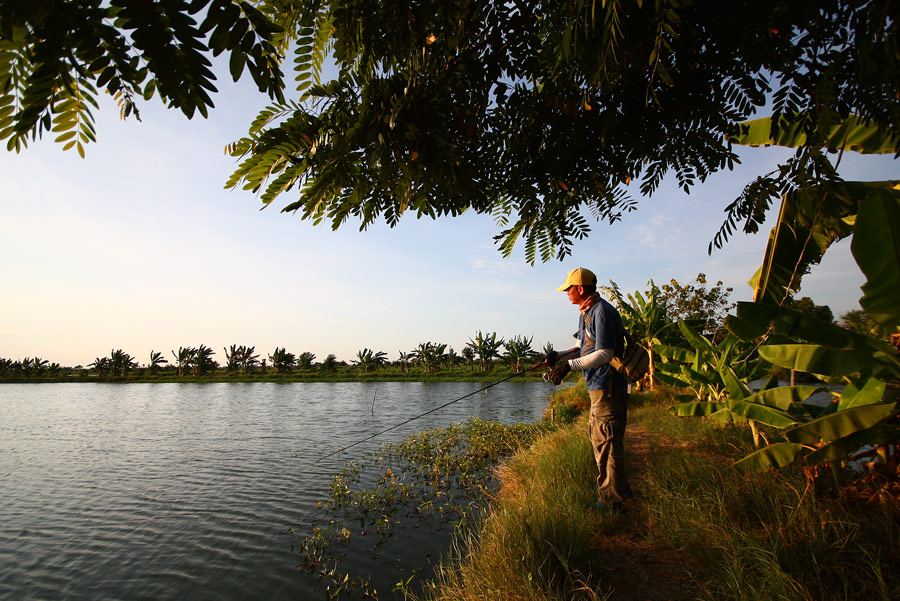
[{"x": 140, "y": 247}]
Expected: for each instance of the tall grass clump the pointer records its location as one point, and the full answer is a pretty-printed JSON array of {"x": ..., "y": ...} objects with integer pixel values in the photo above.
[
  {"x": 568, "y": 403},
  {"x": 536, "y": 543},
  {"x": 759, "y": 536}
]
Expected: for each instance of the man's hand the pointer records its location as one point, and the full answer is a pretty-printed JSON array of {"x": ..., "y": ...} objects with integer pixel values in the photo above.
[
  {"x": 559, "y": 372},
  {"x": 550, "y": 358}
]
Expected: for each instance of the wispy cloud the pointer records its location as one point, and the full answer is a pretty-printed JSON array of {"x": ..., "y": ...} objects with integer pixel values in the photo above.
[{"x": 661, "y": 232}]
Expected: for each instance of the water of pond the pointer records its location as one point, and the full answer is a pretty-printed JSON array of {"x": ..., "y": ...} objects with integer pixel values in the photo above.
[{"x": 190, "y": 491}]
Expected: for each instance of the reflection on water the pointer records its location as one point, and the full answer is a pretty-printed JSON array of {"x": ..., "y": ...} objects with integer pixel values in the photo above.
[{"x": 190, "y": 491}]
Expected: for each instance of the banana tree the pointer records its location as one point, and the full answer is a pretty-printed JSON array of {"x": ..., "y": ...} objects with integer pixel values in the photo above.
[
  {"x": 404, "y": 359},
  {"x": 248, "y": 358},
  {"x": 35, "y": 365},
  {"x": 282, "y": 360},
  {"x": 369, "y": 360},
  {"x": 120, "y": 362},
  {"x": 646, "y": 319},
  {"x": 518, "y": 348},
  {"x": 864, "y": 365},
  {"x": 183, "y": 358},
  {"x": 233, "y": 358},
  {"x": 157, "y": 360},
  {"x": 430, "y": 355},
  {"x": 202, "y": 361},
  {"x": 305, "y": 360},
  {"x": 486, "y": 347},
  {"x": 811, "y": 219},
  {"x": 100, "y": 365},
  {"x": 716, "y": 375}
]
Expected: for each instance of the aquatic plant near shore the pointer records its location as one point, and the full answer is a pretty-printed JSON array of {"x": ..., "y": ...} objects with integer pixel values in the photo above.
[{"x": 440, "y": 478}]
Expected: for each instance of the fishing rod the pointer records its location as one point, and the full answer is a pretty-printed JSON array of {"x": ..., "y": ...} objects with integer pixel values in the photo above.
[{"x": 394, "y": 427}]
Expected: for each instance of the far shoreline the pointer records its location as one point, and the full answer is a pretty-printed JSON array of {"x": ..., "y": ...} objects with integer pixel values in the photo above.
[{"x": 309, "y": 378}]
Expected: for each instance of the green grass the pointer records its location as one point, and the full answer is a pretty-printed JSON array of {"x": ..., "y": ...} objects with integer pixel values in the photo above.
[
  {"x": 727, "y": 534},
  {"x": 537, "y": 541},
  {"x": 759, "y": 536}
]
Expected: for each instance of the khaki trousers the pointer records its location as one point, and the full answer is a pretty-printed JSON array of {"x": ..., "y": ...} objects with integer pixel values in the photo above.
[{"x": 609, "y": 415}]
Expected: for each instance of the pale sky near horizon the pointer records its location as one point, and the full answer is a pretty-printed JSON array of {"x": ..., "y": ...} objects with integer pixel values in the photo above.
[{"x": 139, "y": 247}]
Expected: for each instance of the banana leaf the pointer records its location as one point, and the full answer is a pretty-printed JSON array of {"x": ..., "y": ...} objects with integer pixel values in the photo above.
[
  {"x": 745, "y": 329},
  {"x": 809, "y": 221},
  {"x": 755, "y": 318},
  {"x": 763, "y": 414},
  {"x": 817, "y": 359},
  {"x": 840, "y": 424},
  {"x": 777, "y": 274},
  {"x": 771, "y": 382},
  {"x": 771, "y": 457},
  {"x": 859, "y": 393},
  {"x": 784, "y": 396},
  {"x": 696, "y": 409},
  {"x": 674, "y": 352},
  {"x": 694, "y": 338},
  {"x": 669, "y": 368},
  {"x": 737, "y": 389},
  {"x": 850, "y": 134},
  {"x": 671, "y": 375},
  {"x": 876, "y": 248},
  {"x": 839, "y": 449},
  {"x": 699, "y": 377},
  {"x": 671, "y": 380},
  {"x": 725, "y": 416}
]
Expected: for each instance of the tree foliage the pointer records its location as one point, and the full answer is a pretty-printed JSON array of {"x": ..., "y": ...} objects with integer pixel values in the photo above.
[
  {"x": 703, "y": 304},
  {"x": 56, "y": 57},
  {"x": 518, "y": 349},
  {"x": 486, "y": 346},
  {"x": 653, "y": 317},
  {"x": 807, "y": 305},
  {"x": 541, "y": 113},
  {"x": 857, "y": 321},
  {"x": 430, "y": 355}
]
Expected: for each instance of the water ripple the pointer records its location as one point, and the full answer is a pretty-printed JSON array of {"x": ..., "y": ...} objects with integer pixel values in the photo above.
[{"x": 181, "y": 491}]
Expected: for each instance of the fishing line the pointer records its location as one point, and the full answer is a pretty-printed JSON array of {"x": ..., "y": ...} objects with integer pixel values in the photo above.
[{"x": 394, "y": 427}]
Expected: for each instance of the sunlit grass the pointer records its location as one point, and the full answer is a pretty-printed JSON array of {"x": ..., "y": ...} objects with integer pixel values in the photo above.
[
  {"x": 734, "y": 536},
  {"x": 537, "y": 543},
  {"x": 567, "y": 403}
]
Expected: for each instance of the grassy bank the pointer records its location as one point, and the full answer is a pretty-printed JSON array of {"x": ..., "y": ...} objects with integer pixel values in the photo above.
[{"x": 702, "y": 529}]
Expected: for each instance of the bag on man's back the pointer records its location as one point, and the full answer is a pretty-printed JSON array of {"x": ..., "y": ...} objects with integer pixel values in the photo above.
[{"x": 634, "y": 362}]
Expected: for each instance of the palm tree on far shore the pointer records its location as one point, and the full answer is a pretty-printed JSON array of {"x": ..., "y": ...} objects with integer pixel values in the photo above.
[
  {"x": 100, "y": 365},
  {"x": 183, "y": 359},
  {"x": 282, "y": 361},
  {"x": 517, "y": 349},
  {"x": 156, "y": 361},
  {"x": 232, "y": 358},
  {"x": 370, "y": 360},
  {"x": 305, "y": 360},
  {"x": 486, "y": 348},
  {"x": 404, "y": 360},
  {"x": 202, "y": 360}
]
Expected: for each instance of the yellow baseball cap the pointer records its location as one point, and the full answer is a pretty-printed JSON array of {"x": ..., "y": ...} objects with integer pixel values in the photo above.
[{"x": 578, "y": 277}]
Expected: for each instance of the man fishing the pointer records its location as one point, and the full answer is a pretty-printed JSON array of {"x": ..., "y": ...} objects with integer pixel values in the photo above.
[{"x": 600, "y": 337}]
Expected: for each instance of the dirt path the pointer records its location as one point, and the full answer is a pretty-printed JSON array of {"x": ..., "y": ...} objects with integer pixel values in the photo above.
[{"x": 637, "y": 569}]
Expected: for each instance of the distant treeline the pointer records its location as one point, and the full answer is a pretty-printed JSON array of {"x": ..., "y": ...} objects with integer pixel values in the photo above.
[{"x": 482, "y": 353}]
